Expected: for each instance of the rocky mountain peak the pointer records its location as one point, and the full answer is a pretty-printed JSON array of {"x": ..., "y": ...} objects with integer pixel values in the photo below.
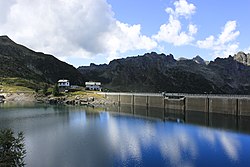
[
  {"x": 242, "y": 58},
  {"x": 199, "y": 60}
]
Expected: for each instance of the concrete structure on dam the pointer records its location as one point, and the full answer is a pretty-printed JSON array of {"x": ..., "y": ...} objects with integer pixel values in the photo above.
[{"x": 181, "y": 103}]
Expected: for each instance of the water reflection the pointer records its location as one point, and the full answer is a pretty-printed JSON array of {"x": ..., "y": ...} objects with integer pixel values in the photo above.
[
  {"x": 230, "y": 145},
  {"x": 17, "y": 104},
  {"x": 229, "y": 142},
  {"x": 180, "y": 141},
  {"x": 213, "y": 120},
  {"x": 119, "y": 132},
  {"x": 179, "y": 145},
  {"x": 77, "y": 136}
]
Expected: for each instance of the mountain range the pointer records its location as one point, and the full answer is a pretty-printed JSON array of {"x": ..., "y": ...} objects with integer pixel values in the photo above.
[
  {"x": 154, "y": 72},
  {"x": 150, "y": 72}
]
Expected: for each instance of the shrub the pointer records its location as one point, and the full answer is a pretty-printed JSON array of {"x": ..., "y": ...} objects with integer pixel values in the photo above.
[
  {"x": 12, "y": 151},
  {"x": 45, "y": 89},
  {"x": 55, "y": 91}
]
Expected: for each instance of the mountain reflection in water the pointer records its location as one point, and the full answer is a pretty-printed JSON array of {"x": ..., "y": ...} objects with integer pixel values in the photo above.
[{"x": 125, "y": 136}]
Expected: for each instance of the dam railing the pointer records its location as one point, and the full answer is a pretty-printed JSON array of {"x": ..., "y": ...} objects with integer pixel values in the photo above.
[{"x": 175, "y": 94}]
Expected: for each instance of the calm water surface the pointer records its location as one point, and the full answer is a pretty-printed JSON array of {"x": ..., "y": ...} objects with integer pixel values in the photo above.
[{"x": 75, "y": 136}]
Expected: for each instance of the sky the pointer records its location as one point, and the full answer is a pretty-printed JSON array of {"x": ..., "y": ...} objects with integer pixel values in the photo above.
[{"x": 81, "y": 32}]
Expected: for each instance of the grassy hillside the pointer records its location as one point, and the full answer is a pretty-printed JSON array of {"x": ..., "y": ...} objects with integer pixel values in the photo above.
[
  {"x": 19, "y": 61},
  {"x": 19, "y": 85}
]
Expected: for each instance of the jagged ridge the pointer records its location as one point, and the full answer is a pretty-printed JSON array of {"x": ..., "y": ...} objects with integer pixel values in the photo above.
[{"x": 154, "y": 72}]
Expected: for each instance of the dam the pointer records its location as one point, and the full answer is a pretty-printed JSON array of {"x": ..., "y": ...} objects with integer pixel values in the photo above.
[{"x": 238, "y": 105}]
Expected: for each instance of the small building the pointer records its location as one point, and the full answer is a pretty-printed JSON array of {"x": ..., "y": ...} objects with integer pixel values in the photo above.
[
  {"x": 63, "y": 83},
  {"x": 93, "y": 86}
]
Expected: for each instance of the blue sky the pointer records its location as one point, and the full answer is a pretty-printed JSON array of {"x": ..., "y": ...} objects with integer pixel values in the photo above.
[
  {"x": 81, "y": 32},
  {"x": 210, "y": 18}
]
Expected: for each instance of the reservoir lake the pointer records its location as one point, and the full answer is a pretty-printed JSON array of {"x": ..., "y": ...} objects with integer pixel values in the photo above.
[{"x": 75, "y": 136}]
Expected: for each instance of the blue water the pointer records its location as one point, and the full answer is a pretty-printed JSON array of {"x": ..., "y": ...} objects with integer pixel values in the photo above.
[{"x": 74, "y": 136}]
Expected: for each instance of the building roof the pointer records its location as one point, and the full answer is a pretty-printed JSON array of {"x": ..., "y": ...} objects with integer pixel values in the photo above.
[
  {"x": 63, "y": 80},
  {"x": 93, "y": 83}
]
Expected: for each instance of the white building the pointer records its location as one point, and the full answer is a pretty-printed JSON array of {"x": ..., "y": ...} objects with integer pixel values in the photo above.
[
  {"x": 63, "y": 83},
  {"x": 93, "y": 86}
]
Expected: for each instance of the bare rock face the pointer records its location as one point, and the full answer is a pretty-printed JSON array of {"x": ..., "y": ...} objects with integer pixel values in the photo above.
[{"x": 242, "y": 58}]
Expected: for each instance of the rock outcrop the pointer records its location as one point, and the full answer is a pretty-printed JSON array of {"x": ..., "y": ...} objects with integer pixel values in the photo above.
[{"x": 243, "y": 58}]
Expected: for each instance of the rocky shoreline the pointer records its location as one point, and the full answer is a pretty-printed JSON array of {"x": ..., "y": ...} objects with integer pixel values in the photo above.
[{"x": 89, "y": 99}]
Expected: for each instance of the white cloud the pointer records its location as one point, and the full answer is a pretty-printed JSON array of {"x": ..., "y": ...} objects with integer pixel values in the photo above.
[
  {"x": 231, "y": 49},
  {"x": 86, "y": 28},
  {"x": 4, "y": 8},
  {"x": 192, "y": 29},
  {"x": 229, "y": 34},
  {"x": 225, "y": 44},
  {"x": 182, "y": 8},
  {"x": 80, "y": 28},
  {"x": 124, "y": 37},
  {"x": 247, "y": 50},
  {"x": 172, "y": 31},
  {"x": 207, "y": 43}
]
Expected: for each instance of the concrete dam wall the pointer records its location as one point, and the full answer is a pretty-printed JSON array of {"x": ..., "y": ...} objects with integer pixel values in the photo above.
[{"x": 233, "y": 105}]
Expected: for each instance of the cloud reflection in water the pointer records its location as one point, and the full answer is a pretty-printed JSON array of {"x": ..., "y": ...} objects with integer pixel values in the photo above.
[
  {"x": 229, "y": 142},
  {"x": 178, "y": 144}
]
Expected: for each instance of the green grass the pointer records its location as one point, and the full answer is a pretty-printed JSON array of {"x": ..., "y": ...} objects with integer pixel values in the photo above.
[
  {"x": 8, "y": 88},
  {"x": 77, "y": 93},
  {"x": 19, "y": 85},
  {"x": 82, "y": 94}
]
